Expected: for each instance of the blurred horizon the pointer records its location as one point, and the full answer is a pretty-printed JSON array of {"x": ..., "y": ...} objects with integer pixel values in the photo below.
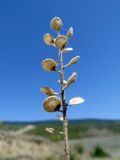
[{"x": 96, "y": 39}]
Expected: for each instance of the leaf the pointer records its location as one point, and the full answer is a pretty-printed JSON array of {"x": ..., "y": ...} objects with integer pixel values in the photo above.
[{"x": 76, "y": 101}]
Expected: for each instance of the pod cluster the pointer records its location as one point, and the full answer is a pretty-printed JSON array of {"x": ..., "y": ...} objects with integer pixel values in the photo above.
[{"x": 53, "y": 103}]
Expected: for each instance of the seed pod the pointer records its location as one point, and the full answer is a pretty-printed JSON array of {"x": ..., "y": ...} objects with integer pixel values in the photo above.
[
  {"x": 48, "y": 39},
  {"x": 49, "y": 64},
  {"x": 76, "y": 100},
  {"x": 50, "y": 130},
  {"x": 56, "y": 23},
  {"x": 52, "y": 104},
  {"x": 61, "y": 42},
  {"x": 67, "y": 50},
  {"x": 48, "y": 91},
  {"x": 74, "y": 60},
  {"x": 71, "y": 79},
  {"x": 69, "y": 33}
]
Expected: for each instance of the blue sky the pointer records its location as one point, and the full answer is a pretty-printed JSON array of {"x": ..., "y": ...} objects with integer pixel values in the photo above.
[{"x": 96, "y": 39}]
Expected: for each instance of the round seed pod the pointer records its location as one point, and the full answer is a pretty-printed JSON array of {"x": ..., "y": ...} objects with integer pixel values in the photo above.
[
  {"x": 56, "y": 23},
  {"x": 48, "y": 91},
  {"x": 52, "y": 104},
  {"x": 71, "y": 79},
  {"x": 48, "y": 39},
  {"x": 61, "y": 42},
  {"x": 49, "y": 64}
]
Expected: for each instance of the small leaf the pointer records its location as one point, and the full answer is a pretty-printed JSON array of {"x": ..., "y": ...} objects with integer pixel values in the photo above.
[
  {"x": 49, "y": 64},
  {"x": 71, "y": 79},
  {"x": 76, "y": 101},
  {"x": 48, "y": 91},
  {"x": 67, "y": 50}
]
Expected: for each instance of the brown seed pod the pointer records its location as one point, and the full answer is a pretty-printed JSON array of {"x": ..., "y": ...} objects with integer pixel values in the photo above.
[
  {"x": 56, "y": 23},
  {"x": 71, "y": 79},
  {"x": 49, "y": 64},
  {"x": 61, "y": 42},
  {"x": 48, "y": 91},
  {"x": 69, "y": 33},
  {"x": 48, "y": 39},
  {"x": 52, "y": 104}
]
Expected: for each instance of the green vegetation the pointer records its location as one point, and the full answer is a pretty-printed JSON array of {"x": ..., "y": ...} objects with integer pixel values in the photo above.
[
  {"x": 99, "y": 152},
  {"x": 79, "y": 148},
  {"x": 77, "y": 128}
]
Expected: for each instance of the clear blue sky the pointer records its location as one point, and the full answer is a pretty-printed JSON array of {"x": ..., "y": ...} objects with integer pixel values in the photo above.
[{"x": 96, "y": 39}]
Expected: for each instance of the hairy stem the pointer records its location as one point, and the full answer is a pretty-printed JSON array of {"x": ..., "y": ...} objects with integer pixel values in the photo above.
[{"x": 65, "y": 121}]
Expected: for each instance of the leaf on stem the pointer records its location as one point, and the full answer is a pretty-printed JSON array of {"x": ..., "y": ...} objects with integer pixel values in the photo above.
[
  {"x": 49, "y": 64},
  {"x": 48, "y": 91},
  {"x": 76, "y": 101},
  {"x": 52, "y": 104}
]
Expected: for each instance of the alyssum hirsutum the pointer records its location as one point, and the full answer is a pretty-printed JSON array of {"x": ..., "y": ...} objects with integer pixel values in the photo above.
[{"x": 56, "y": 102}]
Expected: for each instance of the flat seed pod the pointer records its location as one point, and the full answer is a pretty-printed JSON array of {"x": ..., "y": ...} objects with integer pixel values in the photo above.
[
  {"x": 76, "y": 100},
  {"x": 74, "y": 60},
  {"x": 49, "y": 64},
  {"x": 48, "y": 39},
  {"x": 67, "y": 50},
  {"x": 61, "y": 42},
  {"x": 56, "y": 23},
  {"x": 50, "y": 130},
  {"x": 71, "y": 79},
  {"x": 70, "y": 33},
  {"x": 52, "y": 104},
  {"x": 48, "y": 91}
]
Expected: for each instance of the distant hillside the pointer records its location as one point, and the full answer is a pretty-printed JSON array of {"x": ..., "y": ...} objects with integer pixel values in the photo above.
[{"x": 77, "y": 128}]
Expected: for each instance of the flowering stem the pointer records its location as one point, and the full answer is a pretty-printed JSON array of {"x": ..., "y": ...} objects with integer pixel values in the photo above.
[{"x": 64, "y": 105}]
